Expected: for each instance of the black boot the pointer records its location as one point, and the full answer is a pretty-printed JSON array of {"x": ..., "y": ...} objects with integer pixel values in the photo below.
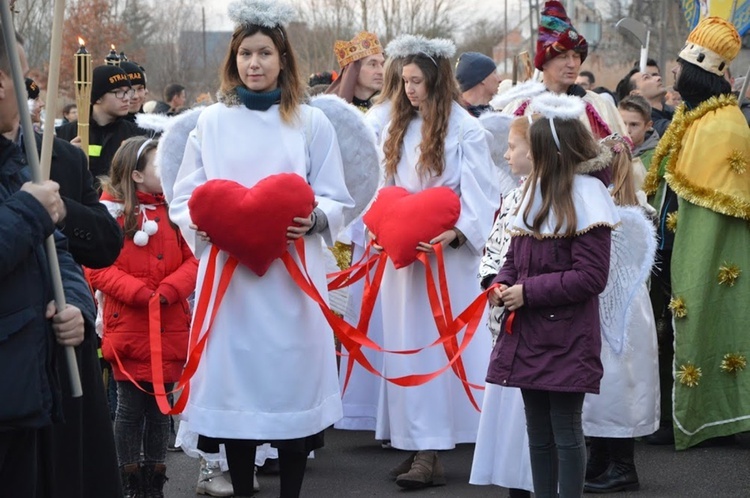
[
  {"x": 132, "y": 484},
  {"x": 154, "y": 477},
  {"x": 621, "y": 474},
  {"x": 598, "y": 460}
]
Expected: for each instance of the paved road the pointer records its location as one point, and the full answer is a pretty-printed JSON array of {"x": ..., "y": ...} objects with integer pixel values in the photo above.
[{"x": 354, "y": 465}]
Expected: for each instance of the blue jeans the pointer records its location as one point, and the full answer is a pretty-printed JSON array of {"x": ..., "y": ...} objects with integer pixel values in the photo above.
[
  {"x": 140, "y": 423},
  {"x": 556, "y": 444}
]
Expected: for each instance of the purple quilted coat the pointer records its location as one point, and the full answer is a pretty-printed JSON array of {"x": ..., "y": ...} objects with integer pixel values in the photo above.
[{"x": 555, "y": 338}]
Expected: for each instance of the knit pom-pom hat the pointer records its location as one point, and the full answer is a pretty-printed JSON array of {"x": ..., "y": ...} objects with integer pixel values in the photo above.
[
  {"x": 712, "y": 45},
  {"x": 557, "y": 35}
]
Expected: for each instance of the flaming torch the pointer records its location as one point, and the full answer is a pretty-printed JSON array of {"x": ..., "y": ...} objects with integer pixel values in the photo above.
[{"x": 112, "y": 58}]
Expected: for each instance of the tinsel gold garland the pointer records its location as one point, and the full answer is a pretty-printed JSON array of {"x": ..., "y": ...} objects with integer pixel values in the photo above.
[
  {"x": 671, "y": 142},
  {"x": 733, "y": 363},
  {"x": 672, "y": 221},
  {"x": 737, "y": 162},
  {"x": 343, "y": 254},
  {"x": 677, "y": 307},
  {"x": 689, "y": 375},
  {"x": 728, "y": 274}
]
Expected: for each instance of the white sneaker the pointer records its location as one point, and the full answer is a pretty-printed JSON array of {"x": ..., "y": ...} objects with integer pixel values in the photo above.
[{"x": 212, "y": 482}]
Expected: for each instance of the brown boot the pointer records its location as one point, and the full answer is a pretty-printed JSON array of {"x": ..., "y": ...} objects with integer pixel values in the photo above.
[
  {"x": 132, "y": 485},
  {"x": 426, "y": 470},
  {"x": 403, "y": 467}
]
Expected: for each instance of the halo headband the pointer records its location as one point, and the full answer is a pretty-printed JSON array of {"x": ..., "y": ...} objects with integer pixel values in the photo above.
[
  {"x": 267, "y": 13},
  {"x": 553, "y": 106},
  {"x": 417, "y": 44},
  {"x": 141, "y": 149}
]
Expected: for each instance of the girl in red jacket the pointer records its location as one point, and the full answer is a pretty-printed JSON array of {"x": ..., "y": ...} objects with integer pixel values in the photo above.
[{"x": 155, "y": 263}]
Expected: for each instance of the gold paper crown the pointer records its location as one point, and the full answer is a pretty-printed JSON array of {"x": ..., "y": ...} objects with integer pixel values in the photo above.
[
  {"x": 712, "y": 45},
  {"x": 359, "y": 47}
]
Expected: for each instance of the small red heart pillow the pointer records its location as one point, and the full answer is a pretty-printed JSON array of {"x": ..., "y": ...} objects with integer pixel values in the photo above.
[
  {"x": 401, "y": 220},
  {"x": 250, "y": 223}
]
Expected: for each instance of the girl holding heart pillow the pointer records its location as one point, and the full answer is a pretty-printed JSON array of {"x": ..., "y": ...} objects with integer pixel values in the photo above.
[
  {"x": 431, "y": 141},
  {"x": 268, "y": 373}
]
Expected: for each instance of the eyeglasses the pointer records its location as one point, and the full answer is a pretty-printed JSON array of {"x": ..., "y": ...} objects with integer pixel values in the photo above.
[{"x": 121, "y": 94}]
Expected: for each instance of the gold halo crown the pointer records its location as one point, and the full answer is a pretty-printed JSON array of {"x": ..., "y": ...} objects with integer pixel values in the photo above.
[
  {"x": 712, "y": 45},
  {"x": 359, "y": 47}
]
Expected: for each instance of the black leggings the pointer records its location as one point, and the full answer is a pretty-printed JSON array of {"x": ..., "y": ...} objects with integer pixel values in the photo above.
[
  {"x": 241, "y": 461},
  {"x": 556, "y": 445}
]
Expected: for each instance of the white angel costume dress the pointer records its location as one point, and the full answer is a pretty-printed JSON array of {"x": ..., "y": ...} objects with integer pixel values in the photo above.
[
  {"x": 269, "y": 370},
  {"x": 628, "y": 403},
  {"x": 437, "y": 415},
  {"x": 501, "y": 453}
]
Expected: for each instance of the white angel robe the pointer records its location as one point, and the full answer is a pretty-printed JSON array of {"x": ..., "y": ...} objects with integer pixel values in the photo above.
[
  {"x": 628, "y": 401},
  {"x": 269, "y": 367},
  {"x": 438, "y": 415},
  {"x": 360, "y": 400}
]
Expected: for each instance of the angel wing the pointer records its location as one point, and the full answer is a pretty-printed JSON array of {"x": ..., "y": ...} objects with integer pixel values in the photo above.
[
  {"x": 498, "y": 126},
  {"x": 172, "y": 147},
  {"x": 632, "y": 256},
  {"x": 359, "y": 151}
]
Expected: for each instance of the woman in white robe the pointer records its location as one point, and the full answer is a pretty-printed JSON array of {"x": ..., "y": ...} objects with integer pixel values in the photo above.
[
  {"x": 440, "y": 145},
  {"x": 268, "y": 372}
]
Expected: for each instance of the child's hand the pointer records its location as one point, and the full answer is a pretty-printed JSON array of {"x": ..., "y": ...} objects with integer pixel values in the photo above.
[
  {"x": 201, "y": 235},
  {"x": 513, "y": 297},
  {"x": 77, "y": 142},
  {"x": 371, "y": 237},
  {"x": 495, "y": 297},
  {"x": 444, "y": 239},
  {"x": 68, "y": 324},
  {"x": 303, "y": 225}
]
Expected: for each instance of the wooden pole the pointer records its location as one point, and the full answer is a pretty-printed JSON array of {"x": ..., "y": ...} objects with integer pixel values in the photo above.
[{"x": 32, "y": 157}]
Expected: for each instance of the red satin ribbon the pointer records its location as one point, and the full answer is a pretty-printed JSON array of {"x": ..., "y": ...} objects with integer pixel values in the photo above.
[
  {"x": 352, "y": 338},
  {"x": 509, "y": 322}
]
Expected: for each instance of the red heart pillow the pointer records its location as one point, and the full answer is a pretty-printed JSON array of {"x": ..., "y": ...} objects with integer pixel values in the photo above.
[
  {"x": 250, "y": 223},
  {"x": 401, "y": 220}
]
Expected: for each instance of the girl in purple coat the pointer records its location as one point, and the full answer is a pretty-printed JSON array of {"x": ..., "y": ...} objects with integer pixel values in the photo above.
[{"x": 554, "y": 271}]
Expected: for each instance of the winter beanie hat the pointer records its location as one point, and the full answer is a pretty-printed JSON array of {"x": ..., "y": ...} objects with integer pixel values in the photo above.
[
  {"x": 135, "y": 73},
  {"x": 712, "y": 45},
  {"x": 107, "y": 78},
  {"x": 472, "y": 68},
  {"x": 32, "y": 89},
  {"x": 557, "y": 35}
]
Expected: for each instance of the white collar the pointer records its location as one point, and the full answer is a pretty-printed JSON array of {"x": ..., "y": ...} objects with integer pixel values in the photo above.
[{"x": 592, "y": 202}]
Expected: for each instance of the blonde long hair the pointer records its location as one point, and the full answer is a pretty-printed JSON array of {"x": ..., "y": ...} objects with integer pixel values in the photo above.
[{"x": 623, "y": 181}]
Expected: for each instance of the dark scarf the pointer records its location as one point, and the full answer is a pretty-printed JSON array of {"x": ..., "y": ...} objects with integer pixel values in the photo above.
[{"x": 258, "y": 101}]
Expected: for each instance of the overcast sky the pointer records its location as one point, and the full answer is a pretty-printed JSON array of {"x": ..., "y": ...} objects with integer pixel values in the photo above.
[{"x": 216, "y": 11}]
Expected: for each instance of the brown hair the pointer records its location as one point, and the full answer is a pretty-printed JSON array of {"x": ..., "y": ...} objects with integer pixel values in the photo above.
[
  {"x": 521, "y": 125},
  {"x": 292, "y": 88},
  {"x": 391, "y": 80},
  {"x": 436, "y": 110},
  {"x": 623, "y": 191},
  {"x": 637, "y": 104},
  {"x": 554, "y": 171},
  {"x": 120, "y": 184}
]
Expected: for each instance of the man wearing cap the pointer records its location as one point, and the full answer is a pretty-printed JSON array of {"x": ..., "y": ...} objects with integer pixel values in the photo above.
[
  {"x": 361, "y": 60},
  {"x": 111, "y": 92},
  {"x": 478, "y": 80},
  {"x": 700, "y": 176},
  {"x": 560, "y": 51},
  {"x": 137, "y": 77}
]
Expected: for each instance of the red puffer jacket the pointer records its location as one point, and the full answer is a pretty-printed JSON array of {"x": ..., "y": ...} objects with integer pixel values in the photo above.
[{"x": 164, "y": 265}]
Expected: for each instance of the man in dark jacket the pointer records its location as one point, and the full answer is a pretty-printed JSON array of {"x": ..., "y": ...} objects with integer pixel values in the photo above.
[
  {"x": 29, "y": 387},
  {"x": 478, "y": 80},
  {"x": 110, "y": 100},
  {"x": 77, "y": 457}
]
